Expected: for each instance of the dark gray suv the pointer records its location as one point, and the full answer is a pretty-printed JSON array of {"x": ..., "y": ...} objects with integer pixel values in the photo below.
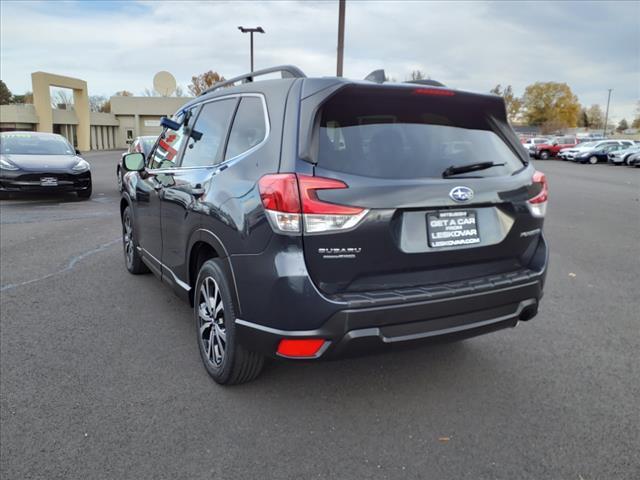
[{"x": 310, "y": 218}]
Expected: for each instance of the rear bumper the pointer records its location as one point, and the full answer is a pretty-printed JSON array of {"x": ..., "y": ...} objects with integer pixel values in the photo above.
[{"x": 360, "y": 330}]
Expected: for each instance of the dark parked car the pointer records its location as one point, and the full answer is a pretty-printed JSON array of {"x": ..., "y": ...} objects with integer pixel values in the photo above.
[
  {"x": 311, "y": 218},
  {"x": 42, "y": 162},
  {"x": 143, "y": 145}
]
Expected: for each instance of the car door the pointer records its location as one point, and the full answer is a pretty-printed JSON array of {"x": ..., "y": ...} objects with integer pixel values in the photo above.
[
  {"x": 184, "y": 186},
  {"x": 150, "y": 182}
]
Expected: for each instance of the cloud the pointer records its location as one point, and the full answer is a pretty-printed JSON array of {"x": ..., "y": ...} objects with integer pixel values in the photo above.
[{"x": 592, "y": 46}]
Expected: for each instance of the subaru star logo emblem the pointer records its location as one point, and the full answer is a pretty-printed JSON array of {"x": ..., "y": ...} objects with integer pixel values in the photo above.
[{"x": 461, "y": 194}]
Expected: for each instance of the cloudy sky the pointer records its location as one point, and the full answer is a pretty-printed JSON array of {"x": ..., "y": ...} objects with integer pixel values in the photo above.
[{"x": 593, "y": 46}]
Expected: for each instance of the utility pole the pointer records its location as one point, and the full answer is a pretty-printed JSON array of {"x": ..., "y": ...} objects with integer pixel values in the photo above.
[
  {"x": 606, "y": 116},
  {"x": 251, "y": 31},
  {"x": 341, "y": 8}
]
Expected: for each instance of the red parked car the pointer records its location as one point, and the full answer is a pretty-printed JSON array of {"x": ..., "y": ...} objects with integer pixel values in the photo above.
[{"x": 545, "y": 151}]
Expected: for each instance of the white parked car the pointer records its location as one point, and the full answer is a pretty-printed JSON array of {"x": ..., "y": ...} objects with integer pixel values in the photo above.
[
  {"x": 621, "y": 157},
  {"x": 530, "y": 143}
]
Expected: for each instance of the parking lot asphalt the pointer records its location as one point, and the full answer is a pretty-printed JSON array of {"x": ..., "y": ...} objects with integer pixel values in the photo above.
[{"x": 100, "y": 375}]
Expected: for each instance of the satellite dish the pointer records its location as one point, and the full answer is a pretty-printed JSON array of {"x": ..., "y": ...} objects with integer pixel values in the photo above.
[{"x": 164, "y": 83}]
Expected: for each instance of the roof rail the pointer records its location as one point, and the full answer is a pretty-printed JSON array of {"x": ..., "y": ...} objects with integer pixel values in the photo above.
[{"x": 288, "y": 71}]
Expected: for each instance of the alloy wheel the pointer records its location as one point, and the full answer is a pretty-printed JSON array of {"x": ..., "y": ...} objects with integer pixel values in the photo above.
[
  {"x": 593, "y": 160},
  {"x": 212, "y": 332},
  {"x": 127, "y": 239}
]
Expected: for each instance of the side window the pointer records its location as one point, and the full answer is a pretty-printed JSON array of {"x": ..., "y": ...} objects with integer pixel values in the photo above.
[
  {"x": 168, "y": 146},
  {"x": 249, "y": 127},
  {"x": 209, "y": 133}
]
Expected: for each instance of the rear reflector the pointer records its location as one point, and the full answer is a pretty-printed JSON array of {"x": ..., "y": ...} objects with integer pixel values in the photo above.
[
  {"x": 300, "y": 348},
  {"x": 291, "y": 202},
  {"x": 538, "y": 204}
]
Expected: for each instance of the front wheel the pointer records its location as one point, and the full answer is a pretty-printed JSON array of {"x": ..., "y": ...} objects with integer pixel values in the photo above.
[
  {"x": 132, "y": 258},
  {"x": 544, "y": 155},
  {"x": 225, "y": 360},
  {"x": 593, "y": 160},
  {"x": 119, "y": 179}
]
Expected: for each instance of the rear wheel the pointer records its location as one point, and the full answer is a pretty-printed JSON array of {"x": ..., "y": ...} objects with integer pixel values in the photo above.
[
  {"x": 225, "y": 360},
  {"x": 593, "y": 160},
  {"x": 132, "y": 258}
]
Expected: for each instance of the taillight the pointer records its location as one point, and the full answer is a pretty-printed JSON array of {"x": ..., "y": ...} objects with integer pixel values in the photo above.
[
  {"x": 291, "y": 203},
  {"x": 538, "y": 204}
]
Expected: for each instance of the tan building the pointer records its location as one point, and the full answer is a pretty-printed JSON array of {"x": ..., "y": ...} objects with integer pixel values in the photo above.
[{"x": 129, "y": 117}]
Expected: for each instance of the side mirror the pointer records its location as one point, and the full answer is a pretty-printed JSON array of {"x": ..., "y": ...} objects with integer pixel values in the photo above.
[
  {"x": 78, "y": 152},
  {"x": 168, "y": 123},
  {"x": 133, "y": 162}
]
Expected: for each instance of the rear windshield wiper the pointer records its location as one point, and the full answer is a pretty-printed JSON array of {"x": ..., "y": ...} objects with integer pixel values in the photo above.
[{"x": 472, "y": 167}]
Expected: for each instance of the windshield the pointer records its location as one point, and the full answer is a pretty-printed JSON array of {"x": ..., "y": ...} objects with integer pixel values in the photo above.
[
  {"x": 404, "y": 137},
  {"x": 31, "y": 144}
]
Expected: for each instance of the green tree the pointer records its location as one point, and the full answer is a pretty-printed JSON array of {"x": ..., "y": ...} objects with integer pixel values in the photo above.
[
  {"x": 200, "y": 83},
  {"x": 5, "y": 94},
  {"x": 550, "y": 101},
  {"x": 596, "y": 116},
  {"x": 512, "y": 103},
  {"x": 26, "y": 98},
  {"x": 623, "y": 125}
]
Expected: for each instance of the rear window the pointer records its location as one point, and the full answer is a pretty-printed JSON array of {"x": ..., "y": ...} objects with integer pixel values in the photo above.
[{"x": 400, "y": 135}]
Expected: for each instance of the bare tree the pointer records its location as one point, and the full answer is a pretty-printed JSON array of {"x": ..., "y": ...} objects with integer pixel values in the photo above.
[
  {"x": 96, "y": 102},
  {"x": 418, "y": 75},
  {"x": 62, "y": 99}
]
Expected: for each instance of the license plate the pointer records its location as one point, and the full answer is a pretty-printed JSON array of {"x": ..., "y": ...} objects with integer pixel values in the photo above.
[
  {"x": 48, "y": 182},
  {"x": 452, "y": 228}
]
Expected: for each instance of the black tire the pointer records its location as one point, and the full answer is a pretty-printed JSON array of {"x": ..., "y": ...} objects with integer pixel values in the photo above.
[
  {"x": 86, "y": 193},
  {"x": 132, "y": 258},
  {"x": 544, "y": 155},
  {"x": 228, "y": 362},
  {"x": 593, "y": 160},
  {"x": 119, "y": 178}
]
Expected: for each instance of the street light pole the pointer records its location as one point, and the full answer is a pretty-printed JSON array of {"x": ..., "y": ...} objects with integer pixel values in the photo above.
[
  {"x": 606, "y": 116},
  {"x": 251, "y": 31},
  {"x": 341, "y": 8}
]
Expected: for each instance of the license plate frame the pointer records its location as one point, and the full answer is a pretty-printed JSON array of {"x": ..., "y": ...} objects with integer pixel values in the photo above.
[
  {"x": 48, "y": 182},
  {"x": 442, "y": 226}
]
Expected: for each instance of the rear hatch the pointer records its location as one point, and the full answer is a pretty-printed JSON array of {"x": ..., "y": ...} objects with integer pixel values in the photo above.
[{"x": 391, "y": 146}]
